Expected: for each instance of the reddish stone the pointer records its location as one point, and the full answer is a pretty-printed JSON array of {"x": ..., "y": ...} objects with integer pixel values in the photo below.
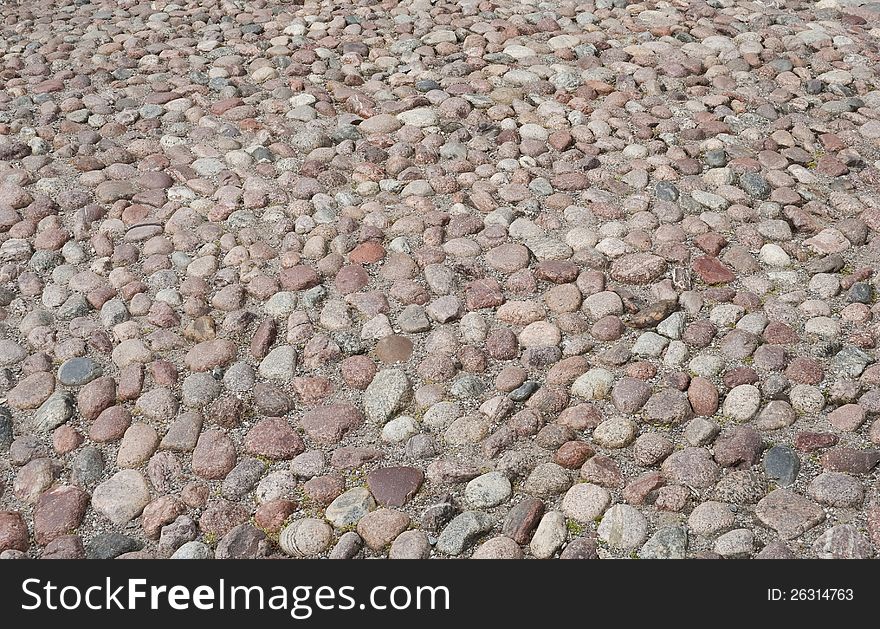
[
  {"x": 395, "y": 486},
  {"x": 573, "y": 454},
  {"x": 522, "y": 520},
  {"x": 271, "y": 516},
  {"x": 847, "y": 417},
  {"x": 13, "y": 531},
  {"x": 324, "y": 489},
  {"x": 703, "y": 396},
  {"x": 64, "y": 547},
  {"x": 163, "y": 510},
  {"x": 221, "y": 516},
  {"x": 712, "y": 271},
  {"x": 394, "y": 349},
  {"x": 58, "y": 512},
  {"x": 298, "y": 277},
  {"x": 804, "y": 370},
  {"x": 602, "y": 470},
  {"x": 812, "y": 441},
  {"x": 351, "y": 279},
  {"x": 557, "y": 271},
  {"x": 778, "y": 333},
  {"x": 483, "y": 293},
  {"x": 638, "y": 489},
  {"x": 358, "y": 371},
  {"x": 96, "y": 396},
  {"x": 328, "y": 424},
  {"x": 263, "y": 338},
  {"x": 351, "y": 457},
  {"x": 66, "y": 439},
  {"x": 273, "y": 438},
  {"x": 711, "y": 243},
  {"x": 110, "y": 425},
  {"x": 367, "y": 252},
  {"x": 214, "y": 456},
  {"x": 850, "y": 460}
]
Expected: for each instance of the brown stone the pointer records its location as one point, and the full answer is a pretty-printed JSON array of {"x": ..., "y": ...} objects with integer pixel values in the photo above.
[
  {"x": 394, "y": 486},
  {"x": 523, "y": 519},
  {"x": 273, "y": 438},
  {"x": 394, "y": 349},
  {"x": 58, "y": 512},
  {"x": 712, "y": 271}
]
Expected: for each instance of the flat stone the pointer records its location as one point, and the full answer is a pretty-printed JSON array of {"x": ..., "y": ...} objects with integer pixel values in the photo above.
[
  {"x": 836, "y": 489},
  {"x": 668, "y": 406},
  {"x": 842, "y": 542},
  {"x": 395, "y": 486},
  {"x": 585, "y": 502},
  {"x": 736, "y": 544},
  {"x": 123, "y": 497},
  {"x": 638, "y": 268},
  {"x": 781, "y": 463},
  {"x": 329, "y": 424},
  {"x": 463, "y": 531},
  {"x": 349, "y": 507},
  {"x": 394, "y": 349},
  {"x": 380, "y": 527},
  {"x": 78, "y": 371},
  {"x": 788, "y": 513},
  {"x": 547, "y": 479},
  {"x": 669, "y": 542},
  {"x": 387, "y": 394},
  {"x": 59, "y": 511},
  {"x": 691, "y": 466},
  {"x": 712, "y": 271}
]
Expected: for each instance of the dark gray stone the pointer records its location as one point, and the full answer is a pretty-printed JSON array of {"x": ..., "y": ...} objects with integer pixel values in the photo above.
[
  {"x": 78, "y": 371},
  {"x": 110, "y": 545},
  {"x": 754, "y": 185},
  {"x": 87, "y": 467},
  {"x": 781, "y": 463},
  {"x": 666, "y": 191}
]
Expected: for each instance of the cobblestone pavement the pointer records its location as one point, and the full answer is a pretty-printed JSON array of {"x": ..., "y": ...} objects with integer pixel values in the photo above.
[{"x": 447, "y": 279}]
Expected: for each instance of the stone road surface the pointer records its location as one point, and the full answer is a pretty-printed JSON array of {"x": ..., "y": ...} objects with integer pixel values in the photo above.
[{"x": 439, "y": 279}]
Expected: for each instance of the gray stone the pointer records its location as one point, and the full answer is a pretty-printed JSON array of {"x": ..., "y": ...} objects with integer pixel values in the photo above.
[
  {"x": 350, "y": 506},
  {"x": 122, "y": 498},
  {"x": 842, "y": 542},
  {"x": 110, "y": 545},
  {"x": 308, "y": 537},
  {"x": 56, "y": 410},
  {"x": 549, "y": 536},
  {"x": 463, "y": 531},
  {"x": 623, "y": 527},
  {"x": 78, "y": 371},
  {"x": 547, "y": 479},
  {"x": 669, "y": 542},
  {"x": 193, "y": 550},
  {"x": 387, "y": 394},
  {"x": 242, "y": 478},
  {"x": 87, "y": 467},
  {"x": 348, "y": 546},
  {"x": 781, "y": 463},
  {"x": 736, "y": 544},
  {"x": 488, "y": 490}
]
